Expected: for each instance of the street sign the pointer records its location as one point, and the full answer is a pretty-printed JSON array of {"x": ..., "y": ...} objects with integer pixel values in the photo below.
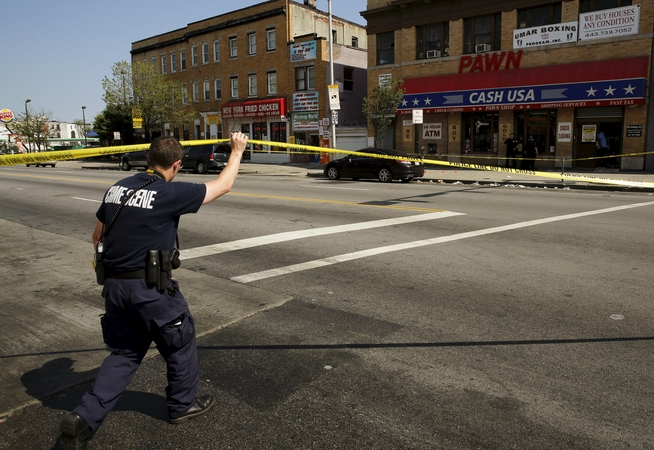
[
  {"x": 334, "y": 101},
  {"x": 417, "y": 116},
  {"x": 335, "y": 117}
]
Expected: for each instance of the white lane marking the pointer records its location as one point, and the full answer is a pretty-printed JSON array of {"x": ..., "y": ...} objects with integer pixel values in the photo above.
[
  {"x": 302, "y": 234},
  {"x": 439, "y": 240},
  {"x": 87, "y": 199},
  {"x": 332, "y": 187}
]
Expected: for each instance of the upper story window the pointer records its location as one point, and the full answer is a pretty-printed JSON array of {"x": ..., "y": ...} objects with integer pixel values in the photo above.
[
  {"x": 218, "y": 86},
  {"x": 252, "y": 85},
  {"x": 233, "y": 49},
  {"x": 386, "y": 48},
  {"x": 272, "y": 82},
  {"x": 194, "y": 55},
  {"x": 355, "y": 41},
  {"x": 184, "y": 94},
  {"x": 207, "y": 90},
  {"x": 252, "y": 44},
  {"x": 304, "y": 78},
  {"x": 433, "y": 41},
  {"x": 595, "y": 5},
  {"x": 205, "y": 53},
  {"x": 271, "y": 40},
  {"x": 482, "y": 34},
  {"x": 216, "y": 51},
  {"x": 196, "y": 92},
  {"x": 164, "y": 64},
  {"x": 334, "y": 37},
  {"x": 182, "y": 60},
  {"x": 348, "y": 78},
  {"x": 173, "y": 62},
  {"x": 233, "y": 86},
  {"x": 541, "y": 15}
]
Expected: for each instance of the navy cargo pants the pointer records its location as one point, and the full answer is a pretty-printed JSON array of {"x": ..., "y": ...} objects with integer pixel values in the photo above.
[{"x": 136, "y": 315}]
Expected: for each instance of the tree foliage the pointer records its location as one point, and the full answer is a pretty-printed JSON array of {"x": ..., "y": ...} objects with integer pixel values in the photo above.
[
  {"x": 381, "y": 107},
  {"x": 138, "y": 90},
  {"x": 34, "y": 129}
]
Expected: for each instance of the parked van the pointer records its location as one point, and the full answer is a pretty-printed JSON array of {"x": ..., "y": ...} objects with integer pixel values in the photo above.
[{"x": 202, "y": 158}]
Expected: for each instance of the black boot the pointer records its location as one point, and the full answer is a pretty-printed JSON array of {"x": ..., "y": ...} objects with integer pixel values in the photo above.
[
  {"x": 202, "y": 405},
  {"x": 75, "y": 433}
]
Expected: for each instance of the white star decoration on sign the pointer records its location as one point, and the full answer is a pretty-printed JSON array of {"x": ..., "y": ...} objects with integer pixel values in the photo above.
[
  {"x": 591, "y": 91},
  {"x": 610, "y": 90},
  {"x": 629, "y": 89},
  {"x": 416, "y": 102},
  {"x": 404, "y": 102},
  {"x": 427, "y": 101}
]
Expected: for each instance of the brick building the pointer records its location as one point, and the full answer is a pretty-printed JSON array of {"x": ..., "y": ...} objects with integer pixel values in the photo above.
[
  {"x": 264, "y": 70},
  {"x": 567, "y": 72}
]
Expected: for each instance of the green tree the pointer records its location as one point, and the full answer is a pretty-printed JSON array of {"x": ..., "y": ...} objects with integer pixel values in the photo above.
[
  {"x": 154, "y": 97},
  {"x": 381, "y": 107},
  {"x": 34, "y": 129}
]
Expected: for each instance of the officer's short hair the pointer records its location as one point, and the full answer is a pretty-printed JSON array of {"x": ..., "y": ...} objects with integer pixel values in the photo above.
[{"x": 164, "y": 151}]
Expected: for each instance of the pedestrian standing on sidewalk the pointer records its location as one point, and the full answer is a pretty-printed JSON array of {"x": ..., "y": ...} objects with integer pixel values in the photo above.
[
  {"x": 511, "y": 151},
  {"x": 530, "y": 153},
  {"x": 136, "y": 234}
]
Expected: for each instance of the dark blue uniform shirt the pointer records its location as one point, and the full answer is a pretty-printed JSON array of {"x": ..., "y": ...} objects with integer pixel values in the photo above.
[{"x": 148, "y": 221}]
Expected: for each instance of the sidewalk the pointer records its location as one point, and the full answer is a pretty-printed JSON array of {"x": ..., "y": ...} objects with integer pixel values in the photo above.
[{"x": 441, "y": 175}]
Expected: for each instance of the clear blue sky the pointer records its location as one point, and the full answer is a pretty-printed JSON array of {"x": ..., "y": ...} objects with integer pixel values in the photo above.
[{"x": 56, "y": 53}]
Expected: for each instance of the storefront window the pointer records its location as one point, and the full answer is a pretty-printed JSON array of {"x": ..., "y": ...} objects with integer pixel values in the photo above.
[
  {"x": 542, "y": 126},
  {"x": 481, "y": 132},
  {"x": 278, "y": 131}
]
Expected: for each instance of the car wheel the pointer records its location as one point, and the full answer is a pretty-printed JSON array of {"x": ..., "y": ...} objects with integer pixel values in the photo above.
[
  {"x": 125, "y": 165},
  {"x": 333, "y": 173},
  {"x": 385, "y": 175},
  {"x": 202, "y": 167}
]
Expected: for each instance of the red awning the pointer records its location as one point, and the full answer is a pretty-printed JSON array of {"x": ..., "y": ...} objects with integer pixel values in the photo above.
[{"x": 564, "y": 73}]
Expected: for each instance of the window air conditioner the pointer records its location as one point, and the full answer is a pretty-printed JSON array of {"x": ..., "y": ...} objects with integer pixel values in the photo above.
[
  {"x": 481, "y": 48},
  {"x": 433, "y": 53}
]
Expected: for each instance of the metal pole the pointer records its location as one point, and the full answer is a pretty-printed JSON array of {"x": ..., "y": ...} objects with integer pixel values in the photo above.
[
  {"x": 331, "y": 70},
  {"x": 84, "y": 124},
  {"x": 27, "y": 125}
]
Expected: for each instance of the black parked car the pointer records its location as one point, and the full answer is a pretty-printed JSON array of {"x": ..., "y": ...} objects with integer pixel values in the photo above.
[
  {"x": 385, "y": 170},
  {"x": 134, "y": 159},
  {"x": 205, "y": 157}
]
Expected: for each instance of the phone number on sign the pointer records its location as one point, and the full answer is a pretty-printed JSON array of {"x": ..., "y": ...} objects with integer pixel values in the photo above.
[{"x": 627, "y": 30}]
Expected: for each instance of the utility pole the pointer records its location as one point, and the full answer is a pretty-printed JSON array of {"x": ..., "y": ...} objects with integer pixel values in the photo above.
[
  {"x": 331, "y": 71},
  {"x": 84, "y": 125},
  {"x": 27, "y": 126}
]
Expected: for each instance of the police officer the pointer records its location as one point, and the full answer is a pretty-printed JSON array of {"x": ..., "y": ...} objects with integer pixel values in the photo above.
[{"x": 138, "y": 309}]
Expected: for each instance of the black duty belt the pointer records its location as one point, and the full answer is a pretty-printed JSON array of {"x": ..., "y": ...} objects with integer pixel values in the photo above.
[{"x": 134, "y": 275}]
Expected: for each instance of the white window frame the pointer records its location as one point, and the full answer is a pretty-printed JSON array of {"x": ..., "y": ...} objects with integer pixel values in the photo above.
[
  {"x": 184, "y": 94},
  {"x": 252, "y": 43},
  {"x": 272, "y": 82},
  {"x": 205, "y": 53},
  {"x": 233, "y": 87},
  {"x": 182, "y": 60},
  {"x": 271, "y": 40},
  {"x": 216, "y": 51},
  {"x": 173, "y": 62},
  {"x": 308, "y": 79},
  {"x": 164, "y": 64},
  {"x": 196, "y": 92},
  {"x": 233, "y": 47},
  {"x": 207, "y": 90},
  {"x": 252, "y": 85},
  {"x": 194, "y": 56}
]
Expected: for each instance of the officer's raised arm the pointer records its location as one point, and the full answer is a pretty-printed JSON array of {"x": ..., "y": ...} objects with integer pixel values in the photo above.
[{"x": 224, "y": 182}]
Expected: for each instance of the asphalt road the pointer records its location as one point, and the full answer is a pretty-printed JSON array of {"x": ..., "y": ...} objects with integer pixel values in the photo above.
[{"x": 351, "y": 315}]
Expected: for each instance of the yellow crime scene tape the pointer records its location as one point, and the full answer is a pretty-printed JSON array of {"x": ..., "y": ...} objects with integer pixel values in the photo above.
[{"x": 64, "y": 155}]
